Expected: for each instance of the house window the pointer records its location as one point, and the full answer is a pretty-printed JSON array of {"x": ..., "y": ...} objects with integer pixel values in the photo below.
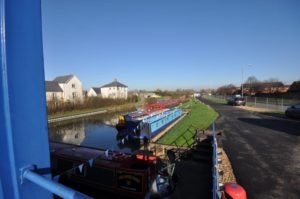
[
  {"x": 74, "y": 95},
  {"x": 54, "y": 96},
  {"x": 73, "y": 86}
]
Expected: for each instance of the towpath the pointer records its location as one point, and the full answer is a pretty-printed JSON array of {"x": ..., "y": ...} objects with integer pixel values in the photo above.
[{"x": 76, "y": 116}]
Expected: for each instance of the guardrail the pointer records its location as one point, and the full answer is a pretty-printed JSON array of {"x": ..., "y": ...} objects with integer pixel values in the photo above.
[
  {"x": 216, "y": 160},
  {"x": 27, "y": 173}
]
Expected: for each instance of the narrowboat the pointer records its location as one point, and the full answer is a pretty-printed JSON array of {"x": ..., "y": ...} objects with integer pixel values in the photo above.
[
  {"x": 143, "y": 124},
  {"x": 130, "y": 175}
]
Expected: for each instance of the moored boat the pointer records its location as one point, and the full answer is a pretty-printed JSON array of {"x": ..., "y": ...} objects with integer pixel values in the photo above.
[
  {"x": 143, "y": 125},
  {"x": 131, "y": 175}
]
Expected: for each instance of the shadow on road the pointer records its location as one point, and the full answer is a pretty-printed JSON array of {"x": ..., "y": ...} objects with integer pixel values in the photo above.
[
  {"x": 279, "y": 115},
  {"x": 286, "y": 126}
]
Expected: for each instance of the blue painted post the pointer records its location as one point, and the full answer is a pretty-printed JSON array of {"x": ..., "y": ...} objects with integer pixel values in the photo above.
[
  {"x": 23, "y": 118},
  {"x": 1, "y": 191}
]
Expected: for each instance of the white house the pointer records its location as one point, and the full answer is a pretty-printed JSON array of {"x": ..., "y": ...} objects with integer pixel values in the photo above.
[
  {"x": 151, "y": 95},
  {"x": 114, "y": 90},
  {"x": 197, "y": 95},
  {"x": 70, "y": 85},
  {"x": 53, "y": 91},
  {"x": 94, "y": 92}
]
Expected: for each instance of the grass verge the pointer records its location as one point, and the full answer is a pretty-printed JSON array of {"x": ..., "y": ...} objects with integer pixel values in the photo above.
[
  {"x": 216, "y": 100},
  {"x": 200, "y": 116},
  {"x": 124, "y": 107}
]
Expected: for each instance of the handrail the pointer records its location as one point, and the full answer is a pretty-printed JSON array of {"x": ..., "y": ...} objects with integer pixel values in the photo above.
[
  {"x": 215, "y": 161},
  {"x": 58, "y": 189}
]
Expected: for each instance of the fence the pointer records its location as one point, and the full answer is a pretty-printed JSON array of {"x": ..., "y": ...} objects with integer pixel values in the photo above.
[
  {"x": 275, "y": 104},
  {"x": 215, "y": 161}
]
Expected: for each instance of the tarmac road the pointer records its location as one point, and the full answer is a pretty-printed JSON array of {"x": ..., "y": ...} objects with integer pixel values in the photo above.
[{"x": 264, "y": 151}]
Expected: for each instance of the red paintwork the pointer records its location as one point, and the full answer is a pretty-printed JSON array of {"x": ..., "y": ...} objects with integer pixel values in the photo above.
[
  {"x": 167, "y": 103},
  {"x": 234, "y": 190},
  {"x": 144, "y": 157}
]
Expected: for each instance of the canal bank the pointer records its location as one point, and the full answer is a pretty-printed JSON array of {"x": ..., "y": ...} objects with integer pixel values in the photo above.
[
  {"x": 95, "y": 131},
  {"x": 76, "y": 116},
  {"x": 89, "y": 112},
  {"x": 199, "y": 117}
]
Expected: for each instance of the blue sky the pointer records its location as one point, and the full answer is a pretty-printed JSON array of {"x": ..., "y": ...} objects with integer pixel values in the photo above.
[{"x": 169, "y": 44}]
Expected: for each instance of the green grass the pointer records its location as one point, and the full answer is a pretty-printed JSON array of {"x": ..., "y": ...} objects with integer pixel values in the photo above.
[
  {"x": 216, "y": 100},
  {"x": 199, "y": 117}
]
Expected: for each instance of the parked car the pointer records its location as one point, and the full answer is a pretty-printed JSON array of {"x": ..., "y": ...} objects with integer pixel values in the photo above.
[
  {"x": 236, "y": 101},
  {"x": 293, "y": 111}
]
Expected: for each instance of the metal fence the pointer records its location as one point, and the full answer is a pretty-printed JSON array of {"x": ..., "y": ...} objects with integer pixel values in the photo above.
[
  {"x": 215, "y": 161},
  {"x": 275, "y": 104}
]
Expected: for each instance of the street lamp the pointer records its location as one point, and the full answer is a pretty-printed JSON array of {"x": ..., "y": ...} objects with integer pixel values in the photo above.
[{"x": 243, "y": 79}]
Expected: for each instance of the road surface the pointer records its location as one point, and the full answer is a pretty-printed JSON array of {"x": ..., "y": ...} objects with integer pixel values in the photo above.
[{"x": 264, "y": 151}]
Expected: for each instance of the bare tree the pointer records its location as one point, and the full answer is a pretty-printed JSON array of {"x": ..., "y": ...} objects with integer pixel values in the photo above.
[
  {"x": 226, "y": 89},
  {"x": 252, "y": 79},
  {"x": 253, "y": 84},
  {"x": 272, "y": 79}
]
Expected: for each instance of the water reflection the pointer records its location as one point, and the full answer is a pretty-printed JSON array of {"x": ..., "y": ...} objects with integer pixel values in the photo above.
[
  {"x": 96, "y": 131},
  {"x": 73, "y": 133}
]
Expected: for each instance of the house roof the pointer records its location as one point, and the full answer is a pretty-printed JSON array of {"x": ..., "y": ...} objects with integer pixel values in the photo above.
[
  {"x": 115, "y": 83},
  {"x": 295, "y": 86},
  {"x": 97, "y": 90},
  {"x": 63, "y": 79},
  {"x": 264, "y": 84},
  {"x": 52, "y": 86}
]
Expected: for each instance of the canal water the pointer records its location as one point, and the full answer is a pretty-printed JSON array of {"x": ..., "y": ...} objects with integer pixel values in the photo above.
[{"x": 96, "y": 131}]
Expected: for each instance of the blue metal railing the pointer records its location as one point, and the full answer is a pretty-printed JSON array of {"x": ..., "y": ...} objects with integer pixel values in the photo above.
[
  {"x": 215, "y": 175},
  {"x": 58, "y": 189}
]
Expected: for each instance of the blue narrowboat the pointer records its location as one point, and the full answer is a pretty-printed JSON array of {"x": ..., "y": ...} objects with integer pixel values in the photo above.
[{"x": 141, "y": 126}]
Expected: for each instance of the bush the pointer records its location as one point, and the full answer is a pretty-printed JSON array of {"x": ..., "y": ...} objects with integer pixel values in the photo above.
[{"x": 87, "y": 103}]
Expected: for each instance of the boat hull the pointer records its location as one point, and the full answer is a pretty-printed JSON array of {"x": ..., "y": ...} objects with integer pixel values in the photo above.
[{"x": 151, "y": 125}]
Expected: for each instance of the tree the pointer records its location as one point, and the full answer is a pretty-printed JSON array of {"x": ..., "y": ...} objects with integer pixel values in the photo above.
[
  {"x": 252, "y": 79},
  {"x": 272, "y": 79},
  {"x": 273, "y": 85},
  {"x": 226, "y": 89},
  {"x": 253, "y": 84}
]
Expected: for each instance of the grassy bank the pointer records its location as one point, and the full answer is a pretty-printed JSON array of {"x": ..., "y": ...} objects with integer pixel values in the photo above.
[
  {"x": 200, "y": 116},
  {"x": 123, "y": 107},
  {"x": 216, "y": 100}
]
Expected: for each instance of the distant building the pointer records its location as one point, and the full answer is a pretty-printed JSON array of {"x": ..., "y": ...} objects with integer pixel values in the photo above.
[
  {"x": 264, "y": 87},
  {"x": 70, "y": 86},
  {"x": 196, "y": 95},
  {"x": 94, "y": 92},
  {"x": 114, "y": 90},
  {"x": 53, "y": 91},
  {"x": 150, "y": 95},
  {"x": 294, "y": 87}
]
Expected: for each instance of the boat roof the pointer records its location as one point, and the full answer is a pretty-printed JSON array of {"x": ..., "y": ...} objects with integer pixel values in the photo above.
[{"x": 84, "y": 154}]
